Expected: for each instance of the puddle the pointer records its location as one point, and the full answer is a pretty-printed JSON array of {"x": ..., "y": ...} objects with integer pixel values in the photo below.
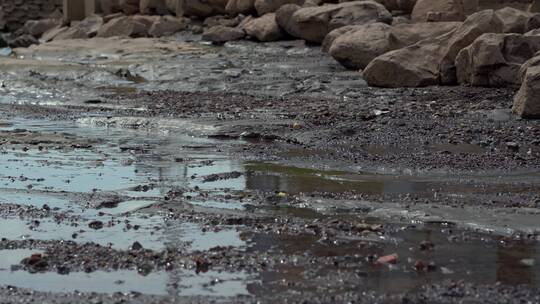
[
  {"x": 33, "y": 199},
  {"x": 141, "y": 167},
  {"x": 214, "y": 284},
  {"x": 99, "y": 281},
  {"x": 460, "y": 148},
  {"x": 203, "y": 240},
  {"x": 152, "y": 232},
  {"x": 510, "y": 263},
  {"x": 211, "y": 283},
  {"x": 272, "y": 177},
  {"x": 294, "y": 180},
  {"x": 129, "y": 159},
  {"x": 118, "y": 235}
]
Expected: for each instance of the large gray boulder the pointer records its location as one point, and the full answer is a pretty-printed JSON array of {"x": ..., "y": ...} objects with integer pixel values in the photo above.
[
  {"x": 314, "y": 23},
  {"x": 359, "y": 45},
  {"x": 432, "y": 61},
  {"x": 494, "y": 60},
  {"x": 527, "y": 99}
]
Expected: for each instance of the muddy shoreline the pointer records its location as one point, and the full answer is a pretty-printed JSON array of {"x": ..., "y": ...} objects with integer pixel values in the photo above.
[{"x": 246, "y": 178}]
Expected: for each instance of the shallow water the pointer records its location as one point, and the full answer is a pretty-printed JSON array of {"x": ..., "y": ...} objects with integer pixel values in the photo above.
[
  {"x": 125, "y": 281},
  {"x": 488, "y": 262},
  {"x": 141, "y": 167}
]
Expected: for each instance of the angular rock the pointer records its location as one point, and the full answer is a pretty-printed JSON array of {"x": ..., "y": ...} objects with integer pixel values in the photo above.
[
  {"x": 284, "y": 17},
  {"x": 71, "y": 33},
  {"x": 443, "y": 10},
  {"x": 91, "y": 25},
  {"x": 264, "y": 28},
  {"x": 167, "y": 25},
  {"x": 36, "y": 28},
  {"x": 534, "y": 61},
  {"x": 146, "y": 20},
  {"x": 222, "y": 34},
  {"x": 401, "y": 68},
  {"x": 123, "y": 26},
  {"x": 313, "y": 23},
  {"x": 107, "y": 18},
  {"x": 23, "y": 41},
  {"x": 51, "y": 34},
  {"x": 333, "y": 35},
  {"x": 527, "y": 99},
  {"x": 270, "y": 6},
  {"x": 432, "y": 61},
  {"x": 357, "y": 47},
  {"x": 204, "y": 8},
  {"x": 86, "y": 28},
  {"x": 517, "y": 21},
  {"x": 494, "y": 60},
  {"x": 235, "y": 7}
]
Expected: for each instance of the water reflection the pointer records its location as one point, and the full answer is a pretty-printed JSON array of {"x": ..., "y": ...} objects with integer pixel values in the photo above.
[
  {"x": 273, "y": 177},
  {"x": 474, "y": 261}
]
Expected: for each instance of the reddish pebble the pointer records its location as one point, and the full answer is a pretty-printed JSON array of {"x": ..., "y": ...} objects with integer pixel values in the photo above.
[
  {"x": 420, "y": 266},
  {"x": 387, "y": 259}
]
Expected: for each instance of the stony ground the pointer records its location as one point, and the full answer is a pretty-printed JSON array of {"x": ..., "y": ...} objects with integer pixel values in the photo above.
[{"x": 337, "y": 177}]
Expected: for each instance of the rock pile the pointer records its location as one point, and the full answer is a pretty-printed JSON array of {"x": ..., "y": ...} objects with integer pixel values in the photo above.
[
  {"x": 395, "y": 43},
  {"x": 13, "y": 14}
]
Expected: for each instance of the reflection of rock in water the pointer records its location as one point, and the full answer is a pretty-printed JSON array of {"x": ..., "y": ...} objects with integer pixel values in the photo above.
[
  {"x": 264, "y": 182},
  {"x": 267, "y": 179},
  {"x": 157, "y": 164}
]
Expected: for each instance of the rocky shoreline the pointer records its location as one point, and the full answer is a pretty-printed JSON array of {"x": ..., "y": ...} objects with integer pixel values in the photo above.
[{"x": 393, "y": 43}]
